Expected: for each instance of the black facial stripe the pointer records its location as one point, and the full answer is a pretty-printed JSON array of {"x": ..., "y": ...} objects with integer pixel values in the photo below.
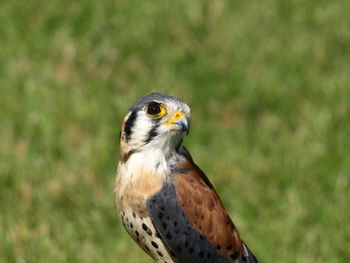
[
  {"x": 177, "y": 148},
  {"x": 152, "y": 133},
  {"x": 129, "y": 124},
  {"x": 156, "y": 122}
]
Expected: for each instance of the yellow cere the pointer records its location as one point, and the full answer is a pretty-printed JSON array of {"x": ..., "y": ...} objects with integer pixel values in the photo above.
[{"x": 177, "y": 116}]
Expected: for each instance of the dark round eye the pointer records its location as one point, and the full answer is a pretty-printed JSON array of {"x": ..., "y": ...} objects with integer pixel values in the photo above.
[{"x": 154, "y": 108}]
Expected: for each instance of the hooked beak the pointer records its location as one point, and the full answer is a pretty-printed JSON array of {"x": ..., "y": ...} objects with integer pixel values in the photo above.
[{"x": 180, "y": 122}]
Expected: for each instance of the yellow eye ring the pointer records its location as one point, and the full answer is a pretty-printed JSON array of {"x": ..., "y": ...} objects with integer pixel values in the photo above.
[{"x": 155, "y": 110}]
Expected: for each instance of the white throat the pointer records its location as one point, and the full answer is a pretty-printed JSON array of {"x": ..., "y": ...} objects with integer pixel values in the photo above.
[{"x": 152, "y": 162}]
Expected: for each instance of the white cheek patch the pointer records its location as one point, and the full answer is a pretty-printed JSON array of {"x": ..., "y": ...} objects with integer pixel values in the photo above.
[{"x": 141, "y": 129}]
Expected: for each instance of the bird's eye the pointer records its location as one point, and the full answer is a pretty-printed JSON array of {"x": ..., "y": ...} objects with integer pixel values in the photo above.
[
  {"x": 153, "y": 108},
  {"x": 156, "y": 110}
]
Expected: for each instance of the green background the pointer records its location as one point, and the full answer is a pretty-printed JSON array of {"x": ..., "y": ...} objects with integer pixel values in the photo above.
[{"x": 269, "y": 86}]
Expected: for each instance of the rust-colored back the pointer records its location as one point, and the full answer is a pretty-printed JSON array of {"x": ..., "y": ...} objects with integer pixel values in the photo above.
[{"x": 204, "y": 209}]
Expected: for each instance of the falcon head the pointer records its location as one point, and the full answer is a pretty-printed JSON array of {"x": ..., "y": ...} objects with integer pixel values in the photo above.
[{"x": 155, "y": 122}]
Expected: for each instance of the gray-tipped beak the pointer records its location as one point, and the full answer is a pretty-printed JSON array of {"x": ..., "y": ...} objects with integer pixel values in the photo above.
[
  {"x": 183, "y": 124},
  {"x": 179, "y": 121}
]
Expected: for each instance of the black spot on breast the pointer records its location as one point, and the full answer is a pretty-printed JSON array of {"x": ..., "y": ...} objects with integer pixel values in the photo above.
[
  {"x": 229, "y": 247},
  {"x": 149, "y": 232},
  {"x": 218, "y": 247},
  {"x": 154, "y": 244},
  {"x": 137, "y": 233},
  {"x": 144, "y": 227},
  {"x": 208, "y": 255},
  {"x": 235, "y": 255},
  {"x": 133, "y": 214},
  {"x": 169, "y": 236},
  {"x": 131, "y": 225},
  {"x": 147, "y": 248},
  {"x": 129, "y": 124},
  {"x": 160, "y": 253}
]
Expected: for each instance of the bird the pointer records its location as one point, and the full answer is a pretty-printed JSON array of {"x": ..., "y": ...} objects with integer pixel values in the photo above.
[{"x": 164, "y": 200}]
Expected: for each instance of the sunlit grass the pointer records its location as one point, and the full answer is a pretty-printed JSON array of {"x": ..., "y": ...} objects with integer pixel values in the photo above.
[{"x": 268, "y": 85}]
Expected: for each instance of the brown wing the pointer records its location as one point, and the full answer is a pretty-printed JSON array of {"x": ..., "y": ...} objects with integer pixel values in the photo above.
[
  {"x": 191, "y": 221},
  {"x": 205, "y": 212}
]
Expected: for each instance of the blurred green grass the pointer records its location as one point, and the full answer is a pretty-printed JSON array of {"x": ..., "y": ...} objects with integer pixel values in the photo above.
[{"x": 268, "y": 84}]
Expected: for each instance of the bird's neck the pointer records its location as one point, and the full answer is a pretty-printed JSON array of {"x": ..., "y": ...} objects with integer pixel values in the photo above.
[
  {"x": 151, "y": 160},
  {"x": 160, "y": 148},
  {"x": 145, "y": 171}
]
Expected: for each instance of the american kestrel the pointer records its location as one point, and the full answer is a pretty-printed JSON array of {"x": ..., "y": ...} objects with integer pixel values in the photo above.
[{"x": 165, "y": 202}]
